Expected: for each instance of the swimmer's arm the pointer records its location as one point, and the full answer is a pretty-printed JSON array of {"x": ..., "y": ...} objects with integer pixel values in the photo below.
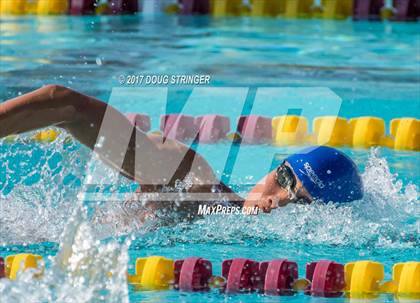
[
  {"x": 145, "y": 159},
  {"x": 82, "y": 116}
]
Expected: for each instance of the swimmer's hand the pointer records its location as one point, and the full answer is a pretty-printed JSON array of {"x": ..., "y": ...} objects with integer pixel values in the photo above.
[{"x": 47, "y": 106}]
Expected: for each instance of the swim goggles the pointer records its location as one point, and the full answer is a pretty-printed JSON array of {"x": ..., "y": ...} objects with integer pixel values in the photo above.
[
  {"x": 287, "y": 179},
  {"x": 285, "y": 176}
]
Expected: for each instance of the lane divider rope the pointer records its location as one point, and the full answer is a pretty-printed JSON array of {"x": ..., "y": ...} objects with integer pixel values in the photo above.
[
  {"x": 324, "y": 278},
  {"x": 399, "y": 10},
  {"x": 288, "y": 130}
]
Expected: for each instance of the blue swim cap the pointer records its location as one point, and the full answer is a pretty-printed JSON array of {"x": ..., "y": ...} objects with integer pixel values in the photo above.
[{"x": 327, "y": 174}]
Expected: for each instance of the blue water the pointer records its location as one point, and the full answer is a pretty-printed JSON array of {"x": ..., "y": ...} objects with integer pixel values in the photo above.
[{"x": 366, "y": 68}]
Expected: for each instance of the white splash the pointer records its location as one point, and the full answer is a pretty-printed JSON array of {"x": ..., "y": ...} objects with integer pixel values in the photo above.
[
  {"x": 84, "y": 270},
  {"x": 87, "y": 269},
  {"x": 46, "y": 180},
  {"x": 384, "y": 218}
]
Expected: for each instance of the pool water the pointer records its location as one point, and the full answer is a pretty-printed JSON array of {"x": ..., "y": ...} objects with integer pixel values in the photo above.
[{"x": 372, "y": 68}]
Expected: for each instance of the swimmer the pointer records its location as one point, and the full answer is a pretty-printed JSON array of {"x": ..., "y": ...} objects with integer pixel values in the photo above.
[{"x": 317, "y": 173}]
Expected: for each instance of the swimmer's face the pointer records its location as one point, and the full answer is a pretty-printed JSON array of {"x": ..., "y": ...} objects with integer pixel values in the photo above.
[{"x": 268, "y": 194}]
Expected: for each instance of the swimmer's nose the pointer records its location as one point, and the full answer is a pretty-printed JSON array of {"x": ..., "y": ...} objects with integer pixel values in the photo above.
[
  {"x": 269, "y": 204},
  {"x": 274, "y": 203}
]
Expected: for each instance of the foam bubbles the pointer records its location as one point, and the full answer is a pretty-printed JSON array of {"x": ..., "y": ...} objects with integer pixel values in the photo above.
[
  {"x": 84, "y": 270},
  {"x": 383, "y": 219}
]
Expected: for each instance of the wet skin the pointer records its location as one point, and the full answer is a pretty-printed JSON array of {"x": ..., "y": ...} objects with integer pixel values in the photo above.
[
  {"x": 268, "y": 194},
  {"x": 148, "y": 159}
]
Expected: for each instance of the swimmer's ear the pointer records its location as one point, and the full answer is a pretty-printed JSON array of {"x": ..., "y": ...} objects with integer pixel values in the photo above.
[
  {"x": 234, "y": 137},
  {"x": 301, "y": 284}
]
